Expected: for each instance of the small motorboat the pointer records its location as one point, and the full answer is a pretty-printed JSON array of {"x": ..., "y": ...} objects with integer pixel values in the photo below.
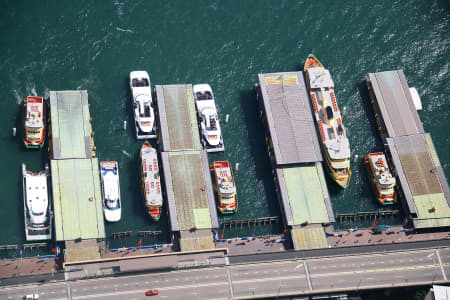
[
  {"x": 224, "y": 187},
  {"x": 151, "y": 181},
  {"x": 34, "y": 122},
  {"x": 109, "y": 174},
  {"x": 144, "y": 115},
  {"x": 36, "y": 206},
  {"x": 381, "y": 178},
  {"x": 211, "y": 134}
]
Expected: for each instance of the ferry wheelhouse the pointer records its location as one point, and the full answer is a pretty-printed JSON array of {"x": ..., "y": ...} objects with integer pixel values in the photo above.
[
  {"x": 333, "y": 138},
  {"x": 224, "y": 187},
  {"x": 151, "y": 181},
  {"x": 34, "y": 122},
  {"x": 381, "y": 178}
]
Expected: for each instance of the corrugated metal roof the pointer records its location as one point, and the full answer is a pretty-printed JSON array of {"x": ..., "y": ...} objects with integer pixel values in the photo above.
[
  {"x": 188, "y": 191},
  {"x": 77, "y": 199},
  {"x": 70, "y": 122},
  {"x": 304, "y": 194},
  {"x": 178, "y": 119},
  {"x": 395, "y": 103},
  {"x": 289, "y": 118},
  {"x": 309, "y": 238},
  {"x": 421, "y": 177}
]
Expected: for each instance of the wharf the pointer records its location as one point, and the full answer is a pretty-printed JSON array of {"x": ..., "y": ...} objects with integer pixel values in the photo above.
[
  {"x": 77, "y": 200},
  {"x": 190, "y": 196},
  {"x": 425, "y": 190},
  {"x": 296, "y": 157}
]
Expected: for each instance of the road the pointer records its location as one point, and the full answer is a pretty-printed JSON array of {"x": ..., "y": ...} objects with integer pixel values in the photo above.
[{"x": 256, "y": 280}]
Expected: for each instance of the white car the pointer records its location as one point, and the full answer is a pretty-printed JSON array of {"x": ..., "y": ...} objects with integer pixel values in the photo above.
[
  {"x": 144, "y": 115},
  {"x": 32, "y": 296}
]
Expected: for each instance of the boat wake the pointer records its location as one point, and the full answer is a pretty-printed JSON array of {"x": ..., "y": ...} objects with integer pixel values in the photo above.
[
  {"x": 126, "y": 153},
  {"x": 124, "y": 30}
]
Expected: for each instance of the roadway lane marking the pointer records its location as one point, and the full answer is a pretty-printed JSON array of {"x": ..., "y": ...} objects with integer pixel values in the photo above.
[
  {"x": 440, "y": 263},
  {"x": 378, "y": 270},
  {"x": 300, "y": 265},
  {"x": 69, "y": 293},
  {"x": 230, "y": 284},
  {"x": 308, "y": 279}
]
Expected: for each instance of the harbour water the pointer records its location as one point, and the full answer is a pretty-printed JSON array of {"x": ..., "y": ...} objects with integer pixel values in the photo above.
[{"x": 56, "y": 45}]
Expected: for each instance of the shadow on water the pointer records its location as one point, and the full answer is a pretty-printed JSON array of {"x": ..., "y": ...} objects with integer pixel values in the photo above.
[
  {"x": 369, "y": 114},
  {"x": 258, "y": 148}
]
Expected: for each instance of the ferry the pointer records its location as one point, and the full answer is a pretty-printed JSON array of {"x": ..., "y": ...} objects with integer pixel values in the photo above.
[
  {"x": 381, "y": 178},
  {"x": 37, "y": 211},
  {"x": 333, "y": 139},
  {"x": 144, "y": 115},
  {"x": 109, "y": 174},
  {"x": 150, "y": 181},
  {"x": 211, "y": 133},
  {"x": 34, "y": 122},
  {"x": 224, "y": 187}
]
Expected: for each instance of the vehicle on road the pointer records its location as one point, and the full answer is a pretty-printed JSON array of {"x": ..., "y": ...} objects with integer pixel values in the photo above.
[
  {"x": 31, "y": 297},
  {"x": 152, "y": 292}
]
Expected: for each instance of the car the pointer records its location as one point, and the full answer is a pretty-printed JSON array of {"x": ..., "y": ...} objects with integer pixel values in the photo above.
[
  {"x": 31, "y": 297},
  {"x": 152, "y": 292}
]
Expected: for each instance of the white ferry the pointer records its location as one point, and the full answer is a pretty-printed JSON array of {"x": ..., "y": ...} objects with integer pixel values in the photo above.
[
  {"x": 144, "y": 115},
  {"x": 109, "y": 174},
  {"x": 34, "y": 122},
  {"x": 381, "y": 178},
  {"x": 211, "y": 134},
  {"x": 333, "y": 138},
  {"x": 224, "y": 187},
  {"x": 37, "y": 213},
  {"x": 151, "y": 181}
]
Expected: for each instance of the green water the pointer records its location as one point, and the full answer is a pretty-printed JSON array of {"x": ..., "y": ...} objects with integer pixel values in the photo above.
[{"x": 93, "y": 45}]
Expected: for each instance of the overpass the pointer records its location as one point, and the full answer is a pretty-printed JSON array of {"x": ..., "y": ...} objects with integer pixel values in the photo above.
[{"x": 247, "y": 278}]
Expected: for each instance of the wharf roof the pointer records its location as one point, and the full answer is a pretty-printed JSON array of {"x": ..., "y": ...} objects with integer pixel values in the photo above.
[
  {"x": 422, "y": 179},
  {"x": 178, "y": 118},
  {"x": 304, "y": 195},
  {"x": 70, "y": 125},
  {"x": 289, "y": 118},
  {"x": 77, "y": 199},
  {"x": 395, "y": 103},
  {"x": 189, "y": 190}
]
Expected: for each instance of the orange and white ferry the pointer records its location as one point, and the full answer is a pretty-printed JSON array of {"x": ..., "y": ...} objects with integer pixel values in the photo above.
[
  {"x": 381, "y": 178},
  {"x": 150, "y": 181},
  {"x": 34, "y": 122},
  {"x": 224, "y": 187},
  {"x": 333, "y": 138}
]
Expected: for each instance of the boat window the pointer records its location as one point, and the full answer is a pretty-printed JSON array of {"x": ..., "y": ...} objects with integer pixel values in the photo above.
[
  {"x": 140, "y": 82},
  {"x": 329, "y": 112},
  {"x": 204, "y": 95}
]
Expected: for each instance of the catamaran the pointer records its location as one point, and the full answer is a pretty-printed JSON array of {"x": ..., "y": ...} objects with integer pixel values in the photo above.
[
  {"x": 334, "y": 142},
  {"x": 224, "y": 187},
  {"x": 150, "y": 181},
  {"x": 211, "y": 134},
  {"x": 37, "y": 213},
  {"x": 109, "y": 174},
  {"x": 381, "y": 177},
  {"x": 144, "y": 115},
  {"x": 34, "y": 122}
]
